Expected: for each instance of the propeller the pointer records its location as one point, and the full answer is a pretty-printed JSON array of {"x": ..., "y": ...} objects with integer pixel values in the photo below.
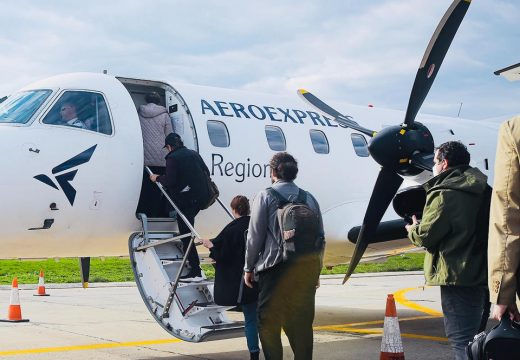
[{"x": 405, "y": 149}]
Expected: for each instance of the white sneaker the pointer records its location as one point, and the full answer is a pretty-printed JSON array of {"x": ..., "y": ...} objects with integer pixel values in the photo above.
[{"x": 191, "y": 278}]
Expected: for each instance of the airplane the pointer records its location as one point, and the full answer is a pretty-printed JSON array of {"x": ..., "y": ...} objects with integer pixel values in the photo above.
[{"x": 73, "y": 192}]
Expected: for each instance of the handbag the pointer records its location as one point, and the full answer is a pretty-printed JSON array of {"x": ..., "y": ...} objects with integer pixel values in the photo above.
[
  {"x": 213, "y": 194},
  {"x": 501, "y": 343}
]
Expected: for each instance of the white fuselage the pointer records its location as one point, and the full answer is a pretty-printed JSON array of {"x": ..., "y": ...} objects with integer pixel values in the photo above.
[{"x": 107, "y": 187}]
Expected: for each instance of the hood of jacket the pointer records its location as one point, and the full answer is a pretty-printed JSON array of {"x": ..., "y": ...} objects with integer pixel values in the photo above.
[
  {"x": 462, "y": 178},
  {"x": 151, "y": 110}
]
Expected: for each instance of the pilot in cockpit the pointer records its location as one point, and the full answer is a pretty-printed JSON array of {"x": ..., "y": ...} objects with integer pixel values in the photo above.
[{"x": 69, "y": 116}]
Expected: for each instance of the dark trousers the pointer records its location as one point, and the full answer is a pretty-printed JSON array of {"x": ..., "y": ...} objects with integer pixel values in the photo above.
[
  {"x": 152, "y": 202},
  {"x": 462, "y": 307},
  {"x": 190, "y": 209},
  {"x": 286, "y": 301}
]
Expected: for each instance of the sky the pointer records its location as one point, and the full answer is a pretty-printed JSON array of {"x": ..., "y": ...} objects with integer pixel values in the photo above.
[{"x": 357, "y": 52}]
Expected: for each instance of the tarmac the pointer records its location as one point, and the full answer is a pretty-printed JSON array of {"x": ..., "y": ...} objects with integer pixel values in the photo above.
[{"x": 110, "y": 321}]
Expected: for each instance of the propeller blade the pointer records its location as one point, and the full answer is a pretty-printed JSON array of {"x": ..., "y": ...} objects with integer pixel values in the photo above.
[
  {"x": 433, "y": 57},
  {"x": 422, "y": 161},
  {"x": 326, "y": 110},
  {"x": 386, "y": 187}
]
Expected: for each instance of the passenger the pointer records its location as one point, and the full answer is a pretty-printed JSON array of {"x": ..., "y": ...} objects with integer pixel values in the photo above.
[
  {"x": 186, "y": 181},
  {"x": 69, "y": 116},
  {"x": 228, "y": 250},
  {"x": 286, "y": 287},
  {"x": 455, "y": 253},
  {"x": 504, "y": 231},
  {"x": 155, "y": 126}
]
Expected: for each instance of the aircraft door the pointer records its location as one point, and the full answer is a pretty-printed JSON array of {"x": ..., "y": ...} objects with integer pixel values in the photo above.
[{"x": 182, "y": 121}]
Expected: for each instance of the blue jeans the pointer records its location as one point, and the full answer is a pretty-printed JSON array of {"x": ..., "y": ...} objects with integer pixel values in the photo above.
[
  {"x": 462, "y": 307},
  {"x": 251, "y": 330}
]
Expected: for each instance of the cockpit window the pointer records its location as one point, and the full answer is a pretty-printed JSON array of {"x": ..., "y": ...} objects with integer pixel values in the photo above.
[
  {"x": 82, "y": 110},
  {"x": 20, "y": 107}
]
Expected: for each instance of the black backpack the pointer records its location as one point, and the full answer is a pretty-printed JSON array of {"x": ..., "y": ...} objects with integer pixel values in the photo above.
[{"x": 300, "y": 231}]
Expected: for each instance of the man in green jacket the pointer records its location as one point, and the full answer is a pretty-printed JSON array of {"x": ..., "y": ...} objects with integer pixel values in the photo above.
[{"x": 455, "y": 251}]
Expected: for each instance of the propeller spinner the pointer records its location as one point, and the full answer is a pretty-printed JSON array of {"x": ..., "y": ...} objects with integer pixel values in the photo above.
[{"x": 405, "y": 149}]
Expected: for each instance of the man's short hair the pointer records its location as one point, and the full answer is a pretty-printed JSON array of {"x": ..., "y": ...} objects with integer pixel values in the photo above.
[
  {"x": 454, "y": 152},
  {"x": 284, "y": 166},
  {"x": 174, "y": 140},
  {"x": 153, "y": 97}
]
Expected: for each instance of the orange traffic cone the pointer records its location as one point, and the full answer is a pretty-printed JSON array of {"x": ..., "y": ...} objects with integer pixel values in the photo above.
[
  {"x": 14, "y": 314},
  {"x": 391, "y": 345},
  {"x": 41, "y": 286}
]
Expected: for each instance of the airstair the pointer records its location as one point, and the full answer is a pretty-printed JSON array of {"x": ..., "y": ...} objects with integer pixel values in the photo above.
[{"x": 184, "y": 309}]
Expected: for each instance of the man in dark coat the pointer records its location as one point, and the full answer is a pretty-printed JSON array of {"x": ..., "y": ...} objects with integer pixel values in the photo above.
[{"x": 186, "y": 181}]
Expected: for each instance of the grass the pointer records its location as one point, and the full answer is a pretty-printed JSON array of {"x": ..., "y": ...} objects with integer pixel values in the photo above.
[
  {"x": 118, "y": 269},
  {"x": 404, "y": 262}
]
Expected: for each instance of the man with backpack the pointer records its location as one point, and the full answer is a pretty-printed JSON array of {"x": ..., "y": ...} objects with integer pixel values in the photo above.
[
  {"x": 186, "y": 179},
  {"x": 453, "y": 231},
  {"x": 285, "y": 243}
]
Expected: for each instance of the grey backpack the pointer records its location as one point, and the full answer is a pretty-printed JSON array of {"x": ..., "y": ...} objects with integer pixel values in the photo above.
[{"x": 300, "y": 231}]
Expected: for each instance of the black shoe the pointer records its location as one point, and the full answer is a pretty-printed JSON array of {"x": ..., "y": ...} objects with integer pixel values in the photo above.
[
  {"x": 192, "y": 276},
  {"x": 254, "y": 355}
]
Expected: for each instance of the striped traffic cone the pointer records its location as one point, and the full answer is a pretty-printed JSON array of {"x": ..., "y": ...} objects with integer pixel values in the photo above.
[
  {"x": 14, "y": 313},
  {"x": 41, "y": 286},
  {"x": 391, "y": 345}
]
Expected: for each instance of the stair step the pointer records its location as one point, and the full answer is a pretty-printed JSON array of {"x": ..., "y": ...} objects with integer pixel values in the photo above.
[
  {"x": 233, "y": 325},
  {"x": 222, "y": 331},
  {"x": 194, "y": 283},
  {"x": 158, "y": 220}
]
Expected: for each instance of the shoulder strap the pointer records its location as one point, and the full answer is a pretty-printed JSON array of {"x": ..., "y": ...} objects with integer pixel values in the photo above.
[{"x": 279, "y": 198}]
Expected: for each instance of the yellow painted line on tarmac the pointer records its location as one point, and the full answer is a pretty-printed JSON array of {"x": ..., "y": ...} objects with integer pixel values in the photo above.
[
  {"x": 400, "y": 297},
  {"x": 380, "y": 332},
  {"x": 374, "y": 322},
  {"x": 88, "y": 347}
]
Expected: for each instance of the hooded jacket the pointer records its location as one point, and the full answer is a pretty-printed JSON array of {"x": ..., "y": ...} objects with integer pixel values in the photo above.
[
  {"x": 155, "y": 125},
  {"x": 455, "y": 254}
]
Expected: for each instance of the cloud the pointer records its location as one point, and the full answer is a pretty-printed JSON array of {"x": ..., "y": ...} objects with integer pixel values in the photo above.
[{"x": 359, "y": 52}]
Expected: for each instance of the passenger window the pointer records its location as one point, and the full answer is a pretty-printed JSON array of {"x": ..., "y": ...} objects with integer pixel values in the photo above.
[
  {"x": 360, "y": 145},
  {"x": 275, "y": 138},
  {"x": 83, "y": 110},
  {"x": 218, "y": 133},
  {"x": 319, "y": 141}
]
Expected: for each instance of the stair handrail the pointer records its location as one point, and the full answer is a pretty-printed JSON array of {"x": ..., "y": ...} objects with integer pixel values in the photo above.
[
  {"x": 173, "y": 290},
  {"x": 226, "y": 209}
]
